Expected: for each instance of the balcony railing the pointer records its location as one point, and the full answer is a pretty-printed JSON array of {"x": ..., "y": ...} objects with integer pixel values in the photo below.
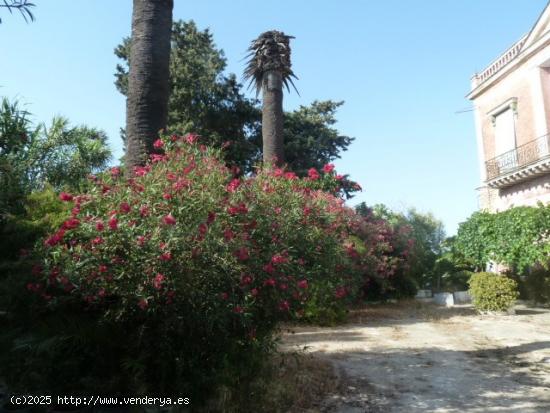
[{"x": 518, "y": 158}]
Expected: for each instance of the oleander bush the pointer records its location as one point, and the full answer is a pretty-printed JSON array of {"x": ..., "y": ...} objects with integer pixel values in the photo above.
[
  {"x": 172, "y": 281},
  {"x": 492, "y": 292}
]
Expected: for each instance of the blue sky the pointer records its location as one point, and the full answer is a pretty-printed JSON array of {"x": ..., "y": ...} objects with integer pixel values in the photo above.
[{"x": 402, "y": 67}]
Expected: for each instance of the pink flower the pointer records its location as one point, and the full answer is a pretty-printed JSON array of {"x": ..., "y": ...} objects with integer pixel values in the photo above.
[
  {"x": 191, "y": 138},
  {"x": 169, "y": 220},
  {"x": 291, "y": 175},
  {"x": 228, "y": 234},
  {"x": 140, "y": 240},
  {"x": 113, "y": 223},
  {"x": 340, "y": 292},
  {"x": 125, "y": 207},
  {"x": 102, "y": 268},
  {"x": 270, "y": 282},
  {"x": 158, "y": 144},
  {"x": 158, "y": 280},
  {"x": 284, "y": 306},
  {"x": 144, "y": 210},
  {"x": 115, "y": 171},
  {"x": 71, "y": 223},
  {"x": 211, "y": 217},
  {"x": 238, "y": 309},
  {"x": 246, "y": 279},
  {"x": 65, "y": 197},
  {"x": 167, "y": 256},
  {"x": 242, "y": 254},
  {"x": 279, "y": 259},
  {"x": 171, "y": 176},
  {"x": 302, "y": 284},
  {"x": 313, "y": 174},
  {"x": 141, "y": 170},
  {"x": 233, "y": 185},
  {"x": 143, "y": 304},
  {"x": 254, "y": 292},
  {"x": 339, "y": 177},
  {"x": 166, "y": 196},
  {"x": 328, "y": 168},
  {"x": 97, "y": 241},
  {"x": 269, "y": 268}
]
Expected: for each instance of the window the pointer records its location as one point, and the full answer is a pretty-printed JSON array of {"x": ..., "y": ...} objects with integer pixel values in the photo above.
[{"x": 504, "y": 121}]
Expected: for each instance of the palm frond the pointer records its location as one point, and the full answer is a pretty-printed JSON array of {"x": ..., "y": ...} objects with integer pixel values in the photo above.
[
  {"x": 24, "y": 7},
  {"x": 270, "y": 51}
]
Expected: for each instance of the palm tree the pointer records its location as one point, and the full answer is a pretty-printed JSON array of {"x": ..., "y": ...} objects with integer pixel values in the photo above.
[
  {"x": 268, "y": 69},
  {"x": 148, "y": 81}
]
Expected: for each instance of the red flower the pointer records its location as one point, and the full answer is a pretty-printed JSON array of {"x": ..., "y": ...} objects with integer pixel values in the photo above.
[
  {"x": 125, "y": 207},
  {"x": 340, "y": 292},
  {"x": 115, "y": 171},
  {"x": 291, "y": 175},
  {"x": 238, "y": 309},
  {"x": 143, "y": 304},
  {"x": 269, "y": 268},
  {"x": 65, "y": 197},
  {"x": 169, "y": 220},
  {"x": 141, "y": 170},
  {"x": 191, "y": 138},
  {"x": 254, "y": 292},
  {"x": 279, "y": 259},
  {"x": 171, "y": 176},
  {"x": 284, "y": 306},
  {"x": 211, "y": 218},
  {"x": 270, "y": 282},
  {"x": 71, "y": 223},
  {"x": 166, "y": 196},
  {"x": 302, "y": 284},
  {"x": 97, "y": 241},
  {"x": 158, "y": 280},
  {"x": 167, "y": 256},
  {"x": 339, "y": 177},
  {"x": 158, "y": 144},
  {"x": 233, "y": 185},
  {"x": 278, "y": 172},
  {"x": 203, "y": 228},
  {"x": 328, "y": 168},
  {"x": 140, "y": 240},
  {"x": 113, "y": 223},
  {"x": 144, "y": 210},
  {"x": 102, "y": 268},
  {"x": 228, "y": 234},
  {"x": 313, "y": 174},
  {"x": 246, "y": 279},
  {"x": 242, "y": 254}
]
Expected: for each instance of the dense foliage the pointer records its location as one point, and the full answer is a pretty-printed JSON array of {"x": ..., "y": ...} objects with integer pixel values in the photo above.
[
  {"x": 493, "y": 292},
  {"x": 36, "y": 158},
  {"x": 517, "y": 237},
  {"x": 187, "y": 252}
]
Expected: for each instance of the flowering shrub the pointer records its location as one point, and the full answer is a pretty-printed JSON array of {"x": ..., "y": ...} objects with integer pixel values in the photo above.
[{"x": 181, "y": 273}]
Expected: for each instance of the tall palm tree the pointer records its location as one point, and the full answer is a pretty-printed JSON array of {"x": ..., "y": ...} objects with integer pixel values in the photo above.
[
  {"x": 148, "y": 80},
  {"x": 268, "y": 68}
]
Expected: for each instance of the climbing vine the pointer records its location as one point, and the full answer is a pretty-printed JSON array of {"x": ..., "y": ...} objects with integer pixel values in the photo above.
[{"x": 518, "y": 237}]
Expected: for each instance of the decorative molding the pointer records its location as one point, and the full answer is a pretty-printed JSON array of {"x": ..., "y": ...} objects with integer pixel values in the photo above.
[{"x": 511, "y": 103}]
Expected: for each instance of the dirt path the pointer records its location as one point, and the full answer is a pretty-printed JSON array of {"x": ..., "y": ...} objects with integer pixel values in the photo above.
[{"x": 419, "y": 358}]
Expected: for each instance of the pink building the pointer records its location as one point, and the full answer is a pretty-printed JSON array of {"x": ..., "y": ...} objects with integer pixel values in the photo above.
[{"x": 511, "y": 99}]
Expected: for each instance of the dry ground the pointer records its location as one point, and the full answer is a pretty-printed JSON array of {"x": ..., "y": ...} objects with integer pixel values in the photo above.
[{"x": 419, "y": 358}]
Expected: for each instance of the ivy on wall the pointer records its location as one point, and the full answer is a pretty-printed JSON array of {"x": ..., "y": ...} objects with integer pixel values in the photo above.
[{"x": 518, "y": 237}]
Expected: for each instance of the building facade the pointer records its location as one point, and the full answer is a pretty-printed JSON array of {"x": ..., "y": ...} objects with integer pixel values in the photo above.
[{"x": 511, "y": 99}]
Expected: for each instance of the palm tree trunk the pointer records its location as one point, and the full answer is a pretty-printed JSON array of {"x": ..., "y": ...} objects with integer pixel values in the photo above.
[
  {"x": 148, "y": 81},
  {"x": 272, "y": 117}
]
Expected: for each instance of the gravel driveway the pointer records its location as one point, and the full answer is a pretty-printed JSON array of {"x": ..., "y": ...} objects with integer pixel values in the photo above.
[{"x": 421, "y": 358}]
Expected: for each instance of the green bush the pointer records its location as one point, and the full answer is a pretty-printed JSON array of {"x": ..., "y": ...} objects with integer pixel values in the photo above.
[
  {"x": 493, "y": 292},
  {"x": 173, "y": 281}
]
